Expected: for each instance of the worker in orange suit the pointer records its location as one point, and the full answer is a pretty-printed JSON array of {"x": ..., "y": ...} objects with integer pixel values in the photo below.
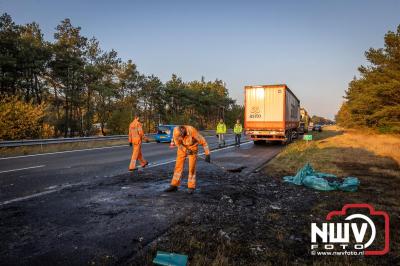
[
  {"x": 136, "y": 136},
  {"x": 187, "y": 139}
]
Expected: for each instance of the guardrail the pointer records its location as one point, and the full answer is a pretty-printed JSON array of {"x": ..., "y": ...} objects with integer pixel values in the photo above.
[{"x": 18, "y": 143}]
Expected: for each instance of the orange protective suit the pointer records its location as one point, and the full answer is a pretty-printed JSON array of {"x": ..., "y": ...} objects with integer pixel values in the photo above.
[
  {"x": 188, "y": 144},
  {"x": 136, "y": 136}
]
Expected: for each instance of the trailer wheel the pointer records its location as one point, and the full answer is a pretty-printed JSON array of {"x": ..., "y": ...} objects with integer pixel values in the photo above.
[
  {"x": 288, "y": 136},
  {"x": 295, "y": 135}
]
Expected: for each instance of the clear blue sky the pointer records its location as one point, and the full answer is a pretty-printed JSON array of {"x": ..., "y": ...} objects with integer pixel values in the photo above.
[{"x": 313, "y": 46}]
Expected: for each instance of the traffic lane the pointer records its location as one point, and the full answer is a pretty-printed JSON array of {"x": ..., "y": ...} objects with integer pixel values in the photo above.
[
  {"x": 32, "y": 185},
  {"x": 18, "y": 162},
  {"x": 84, "y": 167},
  {"x": 11, "y": 167}
]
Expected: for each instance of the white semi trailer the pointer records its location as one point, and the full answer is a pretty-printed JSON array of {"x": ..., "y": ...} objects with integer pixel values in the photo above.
[{"x": 272, "y": 113}]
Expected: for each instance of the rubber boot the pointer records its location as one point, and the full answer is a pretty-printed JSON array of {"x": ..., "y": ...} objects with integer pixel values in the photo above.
[
  {"x": 191, "y": 190},
  {"x": 171, "y": 189}
]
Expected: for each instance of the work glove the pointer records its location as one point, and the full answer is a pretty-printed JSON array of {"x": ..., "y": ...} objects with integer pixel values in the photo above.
[
  {"x": 130, "y": 144},
  {"x": 189, "y": 152},
  {"x": 208, "y": 159}
]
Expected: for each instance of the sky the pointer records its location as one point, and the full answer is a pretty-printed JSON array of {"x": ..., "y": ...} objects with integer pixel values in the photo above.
[{"x": 315, "y": 47}]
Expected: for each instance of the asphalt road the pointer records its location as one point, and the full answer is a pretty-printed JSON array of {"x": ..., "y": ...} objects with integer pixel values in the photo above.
[
  {"x": 32, "y": 175},
  {"x": 84, "y": 207}
]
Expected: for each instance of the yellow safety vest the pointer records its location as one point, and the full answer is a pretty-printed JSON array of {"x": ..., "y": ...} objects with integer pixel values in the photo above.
[
  {"x": 238, "y": 129},
  {"x": 221, "y": 128}
]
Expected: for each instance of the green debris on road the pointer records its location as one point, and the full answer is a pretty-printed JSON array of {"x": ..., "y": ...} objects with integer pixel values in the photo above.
[
  {"x": 170, "y": 259},
  {"x": 308, "y": 177}
]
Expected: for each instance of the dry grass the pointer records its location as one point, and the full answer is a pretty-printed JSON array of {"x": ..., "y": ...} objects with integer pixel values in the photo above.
[
  {"x": 334, "y": 147},
  {"x": 383, "y": 145}
]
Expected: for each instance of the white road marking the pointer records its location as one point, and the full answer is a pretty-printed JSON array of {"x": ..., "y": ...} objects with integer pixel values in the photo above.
[
  {"x": 60, "y": 152},
  {"x": 216, "y": 150},
  {"x": 38, "y": 194},
  {"x": 20, "y": 169},
  {"x": 70, "y": 185}
]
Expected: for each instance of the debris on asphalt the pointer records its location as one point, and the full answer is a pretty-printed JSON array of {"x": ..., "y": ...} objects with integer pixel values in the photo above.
[
  {"x": 274, "y": 207},
  {"x": 170, "y": 259},
  {"x": 224, "y": 235},
  {"x": 308, "y": 177}
]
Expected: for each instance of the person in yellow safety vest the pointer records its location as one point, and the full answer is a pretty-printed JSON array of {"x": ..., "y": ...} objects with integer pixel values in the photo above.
[
  {"x": 221, "y": 131},
  {"x": 136, "y": 136},
  {"x": 237, "y": 129},
  {"x": 187, "y": 139}
]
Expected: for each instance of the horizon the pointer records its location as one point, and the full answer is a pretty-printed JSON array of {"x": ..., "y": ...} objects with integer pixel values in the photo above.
[{"x": 312, "y": 51}]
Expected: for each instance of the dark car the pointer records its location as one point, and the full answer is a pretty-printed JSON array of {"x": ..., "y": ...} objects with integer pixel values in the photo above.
[{"x": 317, "y": 128}]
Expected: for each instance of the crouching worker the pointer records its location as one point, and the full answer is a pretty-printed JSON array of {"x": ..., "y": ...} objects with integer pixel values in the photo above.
[
  {"x": 187, "y": 139},
  {"x": 136, "y": 136}
]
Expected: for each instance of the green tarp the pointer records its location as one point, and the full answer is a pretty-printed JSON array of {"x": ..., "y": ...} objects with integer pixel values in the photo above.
[{"x": 308, "y": 177}]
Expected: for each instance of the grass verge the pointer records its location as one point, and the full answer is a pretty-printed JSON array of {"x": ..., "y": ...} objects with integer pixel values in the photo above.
[
  {"x": 371, "y": 157},
  {"x": 332, "y": 149}
]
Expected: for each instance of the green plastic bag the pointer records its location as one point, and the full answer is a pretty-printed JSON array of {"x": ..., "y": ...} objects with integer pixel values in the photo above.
[
  {"x": 170, "y": 259},
  {"x": 306, "y": 176}
]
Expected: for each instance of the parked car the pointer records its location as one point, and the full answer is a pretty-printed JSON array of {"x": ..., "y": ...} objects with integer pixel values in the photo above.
[
  {"x": 164, "y": 133},
  {"x": 317, "y": 128}
]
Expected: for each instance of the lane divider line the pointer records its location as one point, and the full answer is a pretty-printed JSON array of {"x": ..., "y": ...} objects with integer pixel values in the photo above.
[
  {"x": 58, "y": 152},
  {"x": 20, "y": 169},
  {"x": 39, "y": 194},
  {"x": 211, "y": 151}
]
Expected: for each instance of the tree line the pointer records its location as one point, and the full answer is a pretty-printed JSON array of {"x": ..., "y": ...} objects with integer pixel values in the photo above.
[
  {"x": 71, "y": 87},
  {"x": 321, "y": 120},
  {"x": 373, "y": 99}
]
